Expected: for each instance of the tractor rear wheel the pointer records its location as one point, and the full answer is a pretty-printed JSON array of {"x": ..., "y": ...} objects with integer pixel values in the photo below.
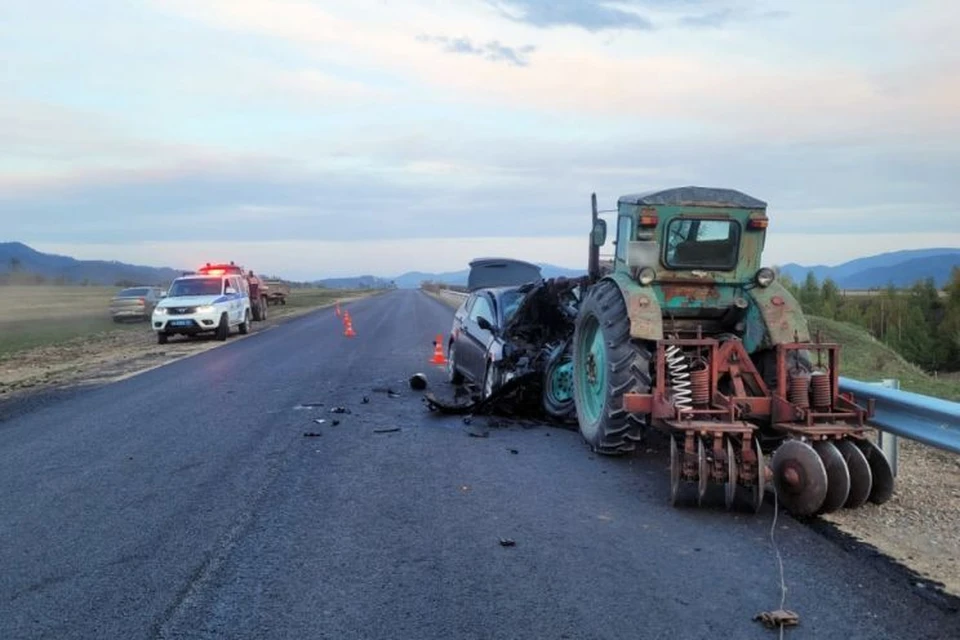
[{"x": 607, "y": 364}]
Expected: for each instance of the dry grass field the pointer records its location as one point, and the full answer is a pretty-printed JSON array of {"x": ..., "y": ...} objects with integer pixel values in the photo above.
[{"x": 54, "y": 335}]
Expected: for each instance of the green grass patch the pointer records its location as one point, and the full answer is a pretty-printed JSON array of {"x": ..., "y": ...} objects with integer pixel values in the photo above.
[{"x": 865, "y": 358}]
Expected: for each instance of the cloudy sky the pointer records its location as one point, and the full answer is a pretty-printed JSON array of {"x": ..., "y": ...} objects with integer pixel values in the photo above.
[{"x": 314, "y": 138}]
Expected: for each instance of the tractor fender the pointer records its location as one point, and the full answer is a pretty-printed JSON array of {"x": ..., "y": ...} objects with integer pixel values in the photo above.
[
  {"x": 643, "y": 308},
  {"x": 780, "y": 314}
]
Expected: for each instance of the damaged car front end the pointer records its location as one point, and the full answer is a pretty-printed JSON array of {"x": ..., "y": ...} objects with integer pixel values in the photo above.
[{"x": 526, "y": 362}]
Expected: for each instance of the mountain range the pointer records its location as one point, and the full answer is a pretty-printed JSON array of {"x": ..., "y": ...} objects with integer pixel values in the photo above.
[
  {"x": 900, "y": 268},
  {"x": 16, "y": 256}
]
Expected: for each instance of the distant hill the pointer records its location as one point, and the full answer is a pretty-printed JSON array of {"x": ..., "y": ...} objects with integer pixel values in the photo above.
[
  {"x": 899, "y": 268},
  {"x": 357, "y": 282},
  {"x": 412, "y": 279},
  {"x": 16, "y": 256}
]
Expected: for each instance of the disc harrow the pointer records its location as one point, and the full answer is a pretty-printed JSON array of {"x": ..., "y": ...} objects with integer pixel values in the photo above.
[{"x": 724, "y": 419}]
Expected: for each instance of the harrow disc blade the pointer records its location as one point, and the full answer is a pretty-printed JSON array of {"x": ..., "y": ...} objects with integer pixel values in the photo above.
[
  {"x": 799, "y": 477},
  {"x": 674, "y": 471},
  {"x": 731, "y": 486},
  {"x": 759, "y": 486},
  {"x": 703, "y": 471},
  {"x": 861, "y": 479},
  {"x": 881, "y": 470},
  {"x": 838, "y": 476}
]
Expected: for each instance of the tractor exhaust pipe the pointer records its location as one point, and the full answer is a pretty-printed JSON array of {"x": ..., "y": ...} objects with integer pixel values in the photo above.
[{"x": 593, "y": 259}]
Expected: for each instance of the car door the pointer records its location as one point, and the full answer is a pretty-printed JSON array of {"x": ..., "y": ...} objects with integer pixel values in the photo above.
[
  {"x": 478, "y": 340},
  {"x": 458, "y": 332}
]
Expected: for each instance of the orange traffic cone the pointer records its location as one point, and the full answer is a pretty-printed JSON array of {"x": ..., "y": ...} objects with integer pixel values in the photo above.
[
  {"x": 438, "y": 351},
  {"x": 348, "y": 327}
]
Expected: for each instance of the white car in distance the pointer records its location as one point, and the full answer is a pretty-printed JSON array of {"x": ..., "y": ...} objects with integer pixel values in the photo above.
[{"x": 198, "y": 304}]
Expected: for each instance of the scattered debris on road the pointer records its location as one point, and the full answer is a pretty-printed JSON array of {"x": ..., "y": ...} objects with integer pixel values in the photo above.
[
  {"x": 308, "y": 405},
  {"x": 319, "y": 420},
  {"x": 388, "y": 430},
  {"x": 341, "y": 410},
  {"x": 365, "y": 400},
  {"x": 312, "y": 434},
  {"x": 507, "y": 542},
  {"x": 476, "y": 431},
  {"x": 778, "y": 619},
  {"x": 418, "y": 382}
]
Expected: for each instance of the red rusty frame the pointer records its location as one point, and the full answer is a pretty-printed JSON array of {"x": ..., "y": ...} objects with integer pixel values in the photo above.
[{"x": 751, "y": 400}]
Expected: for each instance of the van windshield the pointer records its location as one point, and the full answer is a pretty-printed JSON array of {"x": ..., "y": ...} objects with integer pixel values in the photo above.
[
  {"x": 196, "y": 287},
  {"x": 702, "y": 244}
]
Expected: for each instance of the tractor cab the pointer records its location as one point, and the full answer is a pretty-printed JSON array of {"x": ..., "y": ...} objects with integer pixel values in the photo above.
[{"x": 697, "y": 251}]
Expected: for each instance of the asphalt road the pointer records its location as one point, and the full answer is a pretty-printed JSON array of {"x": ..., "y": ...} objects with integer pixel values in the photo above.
[{"x": 186, "y": 503}]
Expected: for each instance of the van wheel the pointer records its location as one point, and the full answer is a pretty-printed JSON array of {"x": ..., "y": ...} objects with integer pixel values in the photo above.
[
  {"x": 223, "y": 330},
  {"x": 245, "y": 325},
  {"x": 161, "y": 337}
]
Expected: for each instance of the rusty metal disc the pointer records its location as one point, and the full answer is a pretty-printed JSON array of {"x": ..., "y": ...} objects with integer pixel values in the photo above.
[
  {"x": 674, "y": 471},
  {"x": 861, "y": 479},
  {"x": 703, "y": 471},
  {"x": 731, "y": 485},
  {"x": 799, "y": 477},
  {"x": 838, "y": 476},
  {"x": 759, "y": 486},
  {"x": 880, "y": 469}
]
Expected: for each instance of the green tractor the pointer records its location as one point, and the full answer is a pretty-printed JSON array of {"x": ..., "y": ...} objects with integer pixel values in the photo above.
[{"x": 688, "y": 333}]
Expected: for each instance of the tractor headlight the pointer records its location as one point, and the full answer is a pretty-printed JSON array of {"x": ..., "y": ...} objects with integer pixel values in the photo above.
[
  {"x": 646, "y": 276},
  {"x": 765, "y": 277}
]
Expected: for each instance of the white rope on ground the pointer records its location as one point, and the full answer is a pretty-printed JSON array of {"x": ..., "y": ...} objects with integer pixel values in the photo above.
[{"x": 776, "y": 548}]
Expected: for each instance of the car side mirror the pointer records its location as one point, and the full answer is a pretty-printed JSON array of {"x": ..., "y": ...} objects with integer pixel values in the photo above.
[
  {"x": 599, "y": 233},
  {"x": 484, "y": 324}
]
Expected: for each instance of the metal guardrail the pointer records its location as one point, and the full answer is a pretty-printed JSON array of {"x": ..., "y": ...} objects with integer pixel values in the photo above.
[{"x": 932, "y": 421}]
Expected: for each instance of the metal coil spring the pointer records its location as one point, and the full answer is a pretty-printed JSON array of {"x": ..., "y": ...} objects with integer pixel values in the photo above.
[
  {"x": 820, "y": 390},
  {"x": 679, "y": 378},
  {"x": 799, "y": 391},
  {"x": 700, "y": 385}
]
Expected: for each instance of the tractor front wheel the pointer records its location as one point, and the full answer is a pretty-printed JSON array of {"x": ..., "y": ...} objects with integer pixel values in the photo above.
[{"x": 607, "y": 364}]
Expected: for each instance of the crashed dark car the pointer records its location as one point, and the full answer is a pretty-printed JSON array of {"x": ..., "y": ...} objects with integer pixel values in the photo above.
[{"x": 511, "y": 337}]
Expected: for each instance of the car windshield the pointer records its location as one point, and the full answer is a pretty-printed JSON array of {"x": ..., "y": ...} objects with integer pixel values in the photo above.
[
  {"x": 133, "y": 293},
  {"x": 510, "y": 301},
  {"x": 702, "y": 244},
  {"x": 196, "y": 287}
]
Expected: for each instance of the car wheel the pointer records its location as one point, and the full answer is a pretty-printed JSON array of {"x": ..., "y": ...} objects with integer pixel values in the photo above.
[
  {"x": 223, "y": 330},
  {"x": 161, "y": 337},
  {"x": 245, "y": 325},
  {"x": 453, "y": 375},
  {"x": 558, "y": 399}
]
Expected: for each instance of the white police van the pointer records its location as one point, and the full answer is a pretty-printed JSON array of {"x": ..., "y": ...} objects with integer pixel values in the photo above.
[{"x": 213, "y": 301}]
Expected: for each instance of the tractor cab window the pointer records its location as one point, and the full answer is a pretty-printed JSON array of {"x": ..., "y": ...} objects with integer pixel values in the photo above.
[{"x": 702, "y": 244}]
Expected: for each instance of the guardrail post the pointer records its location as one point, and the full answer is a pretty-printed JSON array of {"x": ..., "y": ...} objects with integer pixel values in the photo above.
[{"x": 888, "y": 442}]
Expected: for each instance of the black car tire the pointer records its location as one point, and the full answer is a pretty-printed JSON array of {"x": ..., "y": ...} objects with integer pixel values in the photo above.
[
  {"x": 245, "y": 325},
  {"x": 162, "y": 337},
  {"x": 453, "y": 375},
  {"x": 223, "y": 330}
]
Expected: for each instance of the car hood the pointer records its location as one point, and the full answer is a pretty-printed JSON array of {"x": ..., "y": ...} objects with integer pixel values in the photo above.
[
  {"x": 188, "y": 301},
  {"x": 488, "y": 273}
]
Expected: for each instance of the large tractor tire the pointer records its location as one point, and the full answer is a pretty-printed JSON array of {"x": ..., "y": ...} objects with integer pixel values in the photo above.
[{"x": 607, "y": 364}]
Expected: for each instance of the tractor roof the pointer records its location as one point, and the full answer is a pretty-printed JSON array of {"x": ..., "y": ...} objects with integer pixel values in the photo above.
[{"x": 693, "y": 197}]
